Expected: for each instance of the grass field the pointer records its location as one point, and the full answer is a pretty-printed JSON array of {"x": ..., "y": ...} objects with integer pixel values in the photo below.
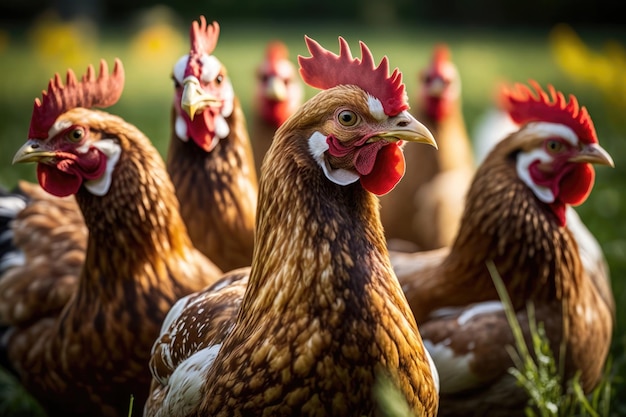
[{"x": 30, "y": 55}]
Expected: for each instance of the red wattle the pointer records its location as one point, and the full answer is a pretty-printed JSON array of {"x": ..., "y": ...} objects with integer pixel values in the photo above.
[
  {"x": 576, "y": 185},
  {"x": 58, "y": 183},
  {"x": 387, "y": 171},
  {"x": 202, "y": 130}
]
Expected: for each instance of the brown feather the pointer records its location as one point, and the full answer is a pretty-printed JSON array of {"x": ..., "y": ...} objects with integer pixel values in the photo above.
[
  {"x": 423, "y": 211},
  {"x": 139, "y": 260},
  {"x": 218, "y": 192},
  {"x": 323, "y": 316},
  {"x": 539, "y": 262}
]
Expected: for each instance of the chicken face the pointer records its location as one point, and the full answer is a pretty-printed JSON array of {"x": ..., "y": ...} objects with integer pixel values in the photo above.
[
  {"x": 73, "y": 155},
  {"x": 440, "y": 85},
  {"x": 279, "y": 91},
  {"x": 203, "y": 100},
  {"x": 360, "y": 142},
  {"x": 556, "y": 165}
]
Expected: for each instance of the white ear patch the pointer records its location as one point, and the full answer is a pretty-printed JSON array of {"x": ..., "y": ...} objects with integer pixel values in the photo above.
[
  {"x": 317, "y": 147},
  {"x": 524, "y": 160},
  {"x": 179, "y": 68},
  {"x": 101, "y": 185},
  {"x": 181, "y": 128}
]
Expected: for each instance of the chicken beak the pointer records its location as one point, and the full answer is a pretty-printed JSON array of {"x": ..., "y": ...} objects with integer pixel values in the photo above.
[
  {"x": 408, "y": 128},
  {"x": 275, "y": 89},
  {"x": 194, "y": 98},
  {"x": 32, "y": 151},
  {"x": 594, "y": 154}
]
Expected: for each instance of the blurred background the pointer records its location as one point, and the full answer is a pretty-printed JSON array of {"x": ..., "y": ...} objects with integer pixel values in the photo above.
[{"x": 578, "y": 46}]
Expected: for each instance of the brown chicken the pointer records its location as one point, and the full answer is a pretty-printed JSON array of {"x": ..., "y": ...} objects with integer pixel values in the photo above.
[
  {"x": 516, "y": 217},
  {"x": 278, "y": 94},
  {"x": 424, "y": 210},
  {"x": 322, "y": 318},
  {"x": 90, "y": 357},
  {"x": 210, "y": 157}
]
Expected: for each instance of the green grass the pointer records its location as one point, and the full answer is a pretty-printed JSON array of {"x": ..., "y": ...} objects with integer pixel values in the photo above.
[
  {"x": 538, "y": 373},
  {"x": 28, "y": 60}
]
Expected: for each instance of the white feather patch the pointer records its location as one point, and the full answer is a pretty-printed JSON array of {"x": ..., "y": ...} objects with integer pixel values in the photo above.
[
  {"x": 433, "y": 370},
  {"x": 112, "y": 150},
  {"x": 181, "y": 128},
  {"x": 547, "y": 129},
  {"x": 229, "y": 98},
  {"x": 454, "y": 371},
  {"x": 210, "y": 68},
  {"x": 179, "y": 68},
  {"x": 186, "y": 381},
  {"x": 524, "y": 160},
  {"x": 478, "y": 309},
  {"x": 376, "y": 108},
  {"x": 317, "y": 147},
  {"x": 221, "y": 128}
]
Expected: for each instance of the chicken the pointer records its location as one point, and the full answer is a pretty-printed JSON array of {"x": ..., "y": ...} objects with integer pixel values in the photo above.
[
  {"x": 516, "y": 216},
  {"x": 213, "y": 173},
  {"x": 278, "y": 94},
  {"x": 424, "y": 210},
  {"x": 319, "y": 318},
  {"x": 90, "y": 356}
]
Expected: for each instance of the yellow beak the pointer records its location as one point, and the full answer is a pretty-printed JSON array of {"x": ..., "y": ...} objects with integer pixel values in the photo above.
[
  {"x": 32, "y": 151},
  {"x": 195, "y": 99},
  {"x": 408, "y": 128},
  {"x": 594, "y": 154},
  {"x": 275, "y": 89}
]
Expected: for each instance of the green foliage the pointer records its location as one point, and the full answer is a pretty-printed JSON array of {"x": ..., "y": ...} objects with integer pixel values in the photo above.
[
  {"x": 538, "y": 373},
  {"x": 14, "y": 400}
]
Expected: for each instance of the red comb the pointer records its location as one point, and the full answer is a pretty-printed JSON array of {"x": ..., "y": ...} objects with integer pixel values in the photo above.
[
  {"x": 441, "y": 54},
  {"x": 323, "y": 69},
  {"x": 276, "y": 50},
  {"x": 102, "y": 91},
  {"x": 203, "y": 40},
  {"x": 524, "y": 107}
]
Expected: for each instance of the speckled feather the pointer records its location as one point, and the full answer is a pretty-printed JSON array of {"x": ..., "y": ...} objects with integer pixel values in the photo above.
[
  {"x": 538, "y": 261},
  {"x": 139, "y": 261},
  {"x": 323, "y": 314},
  {"x": 218, "y": 193},
  {"x": 51, "y": 234}
]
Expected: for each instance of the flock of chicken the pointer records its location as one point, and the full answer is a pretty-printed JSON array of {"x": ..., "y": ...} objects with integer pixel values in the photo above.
[{"x": 208, "y": 284}]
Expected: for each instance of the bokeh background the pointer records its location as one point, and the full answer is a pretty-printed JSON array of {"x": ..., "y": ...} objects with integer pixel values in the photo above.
[{"x": 577, "y": 45}]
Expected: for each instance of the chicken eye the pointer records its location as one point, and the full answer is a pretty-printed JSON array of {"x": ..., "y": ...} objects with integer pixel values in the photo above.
[
  {"x": 219, "y": 79},
  {"x": 76, "y": 135},
  {"x": 554, "y": 146},
  {"x": 347, "y": 118}
]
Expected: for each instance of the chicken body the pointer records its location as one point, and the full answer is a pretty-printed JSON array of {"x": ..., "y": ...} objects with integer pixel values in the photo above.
[
  {"x": 424, "y": 210},
  {"x": 278, "y": 93},
  {"x": 515, "y": 216},
  {"x": 210, "y": 157},
  {"x": 322, "y": 319},
  {"x": 90, "y": 355}
]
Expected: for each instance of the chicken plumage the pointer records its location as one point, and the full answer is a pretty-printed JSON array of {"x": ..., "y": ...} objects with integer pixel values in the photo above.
[
  {"x": 278, "y": 94},
  {"x": 210, "y": 156},
  {"x": 322, "y": 318},
  {"x": 90, "y": 356},
  {"x": 516, "y": 216},
  {"x": 424, "y": 210}
]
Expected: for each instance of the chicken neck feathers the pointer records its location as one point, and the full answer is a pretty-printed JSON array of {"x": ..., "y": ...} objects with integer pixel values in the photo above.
[
  {"x": 217, "y": 191},
  {"x": 335, "y": 231},
  {"x": 138, "y": 262}
]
